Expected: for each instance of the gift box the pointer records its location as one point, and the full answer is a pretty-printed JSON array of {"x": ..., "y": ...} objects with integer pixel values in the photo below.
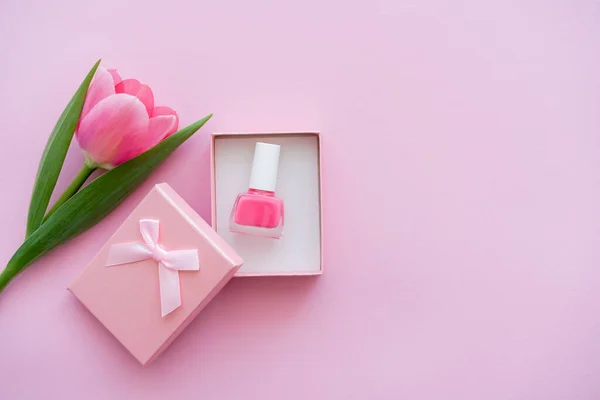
[
  {"x": 155, "y": 274},
  {"x": 299, "y": 250}
]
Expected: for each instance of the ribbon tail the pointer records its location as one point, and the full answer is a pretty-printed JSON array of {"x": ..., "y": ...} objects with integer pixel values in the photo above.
[{"x": 170, "y": 292}]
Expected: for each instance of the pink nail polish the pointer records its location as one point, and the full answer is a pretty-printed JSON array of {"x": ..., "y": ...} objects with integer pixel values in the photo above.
[{"x": 258, "y": 211}]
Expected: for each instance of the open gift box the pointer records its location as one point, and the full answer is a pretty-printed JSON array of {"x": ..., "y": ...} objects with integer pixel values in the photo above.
[{"x": 299, "y": 186}]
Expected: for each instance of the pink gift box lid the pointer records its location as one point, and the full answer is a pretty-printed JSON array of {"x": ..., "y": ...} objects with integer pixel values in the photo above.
[{"x": 126, "y": 298}]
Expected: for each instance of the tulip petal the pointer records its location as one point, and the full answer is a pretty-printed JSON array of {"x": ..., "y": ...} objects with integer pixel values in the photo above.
[
  {"x": 116, "y": 77},
  {"x": 135, "y": 88},
  {"x": 162, "y": 110},
  {"x": 101, "y": 87},
  {"x": 129, "y": 86},
  {"x": 147, "y": 97},
  {"x": 133, "y": 145},
  {"x": 109, "y": 127},
  {"x": 162, "y": 126}
]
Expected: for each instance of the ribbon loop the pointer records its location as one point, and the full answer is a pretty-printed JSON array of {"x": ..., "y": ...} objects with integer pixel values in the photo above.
[
  {"x": 149, "y": 230},
  {"x": 169, "y": 262}
]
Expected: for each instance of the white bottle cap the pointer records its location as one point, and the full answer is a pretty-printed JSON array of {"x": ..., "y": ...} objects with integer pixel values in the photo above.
[{"x": 264, "y": 167}]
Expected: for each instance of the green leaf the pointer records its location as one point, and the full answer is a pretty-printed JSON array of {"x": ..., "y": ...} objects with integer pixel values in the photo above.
[
  {"x": 92, "y": 203},
  {"x": 55, "y": 153}
]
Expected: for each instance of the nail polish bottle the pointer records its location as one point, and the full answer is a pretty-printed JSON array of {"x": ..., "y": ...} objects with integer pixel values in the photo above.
[{"x": 258, "y": 211}]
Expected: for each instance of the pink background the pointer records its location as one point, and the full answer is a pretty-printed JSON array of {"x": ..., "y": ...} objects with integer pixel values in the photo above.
[{"x": 461, "y": 148}]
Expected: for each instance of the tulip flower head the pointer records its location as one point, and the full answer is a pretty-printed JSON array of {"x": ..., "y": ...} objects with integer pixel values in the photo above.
[{"x": 119, "y": 120}]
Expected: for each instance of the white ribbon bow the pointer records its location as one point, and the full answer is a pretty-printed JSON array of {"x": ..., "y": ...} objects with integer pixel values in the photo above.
[{"x": 169, "y": 262}]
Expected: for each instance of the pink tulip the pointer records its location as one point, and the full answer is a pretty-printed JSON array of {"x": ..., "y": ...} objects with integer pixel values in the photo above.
[{"x": 119, "y": 120}]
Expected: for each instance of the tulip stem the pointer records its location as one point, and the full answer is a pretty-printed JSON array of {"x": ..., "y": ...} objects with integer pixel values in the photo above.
[
  {"x": 75, "y": 185},
  {"x": 8, "y": 274}
]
